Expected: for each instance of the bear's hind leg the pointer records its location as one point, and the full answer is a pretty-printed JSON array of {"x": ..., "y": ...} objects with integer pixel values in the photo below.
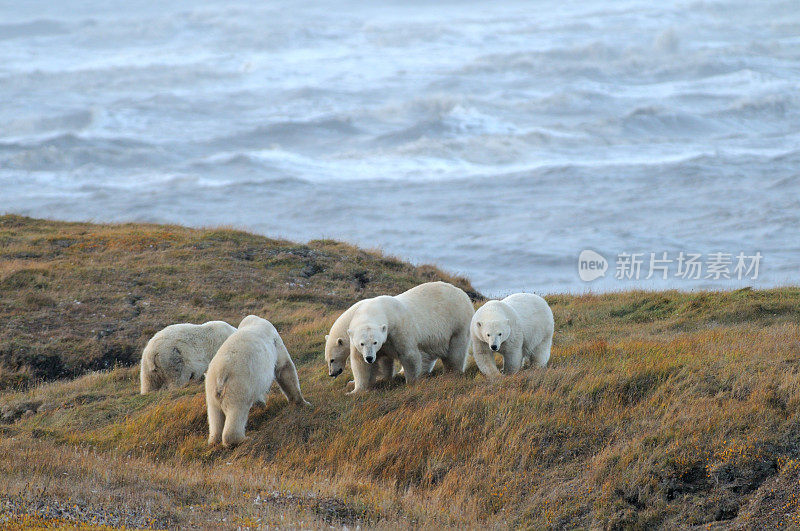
[
  {"x": 235, "y": 423},
  {"x": 541, "y": 353},
  {"x": 216, "y": 420},
  {"x": 456, "y": 358},
  {"x": 290, "y": 383}
]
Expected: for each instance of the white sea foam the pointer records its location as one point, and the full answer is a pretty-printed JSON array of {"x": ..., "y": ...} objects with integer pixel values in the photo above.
[{"x": 495, "y": 140}]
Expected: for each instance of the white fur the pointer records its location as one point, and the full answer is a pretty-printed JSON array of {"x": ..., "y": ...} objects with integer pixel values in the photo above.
[
  {"x": 337, "y": 342},
  {"x": 418, "y": 326},
  {"x": 241, "y": 374},
  {"x": 179, "y": 353},
  {"x": 519, "y": 326},
  {"x": 337, "y": 350}
]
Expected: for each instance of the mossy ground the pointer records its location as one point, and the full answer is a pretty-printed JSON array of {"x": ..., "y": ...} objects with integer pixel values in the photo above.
[{"x": 657, "y": 409}]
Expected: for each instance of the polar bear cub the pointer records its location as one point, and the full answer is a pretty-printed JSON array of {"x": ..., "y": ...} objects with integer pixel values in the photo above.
[
  {"x": 519, "y": 327},
  {"x": 241, "y": 374},
  {"x": 180, "y": 352},
  {"x": 418, "y": 326}
]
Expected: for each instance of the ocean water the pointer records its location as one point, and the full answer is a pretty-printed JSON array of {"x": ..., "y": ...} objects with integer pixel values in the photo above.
[{"x": 496, "y": 140}]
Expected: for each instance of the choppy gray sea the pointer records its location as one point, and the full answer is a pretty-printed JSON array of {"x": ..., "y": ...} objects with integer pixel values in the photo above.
[{"x": 496, "y": 140}]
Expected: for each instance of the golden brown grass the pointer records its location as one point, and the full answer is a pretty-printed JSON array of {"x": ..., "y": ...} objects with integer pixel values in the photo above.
[
  {"x": 77, "y": 296},
  {"x": 657, "y": 409}
]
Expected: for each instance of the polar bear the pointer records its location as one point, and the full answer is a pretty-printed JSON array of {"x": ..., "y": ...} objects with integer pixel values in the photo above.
[
  {"x": 519, "y": 327},
  {"x": 180, "y": 352},
  {"x": 337, "y": 350},
  {"x": 241, "y": 374},
  {"x": 418, "y": 326}
]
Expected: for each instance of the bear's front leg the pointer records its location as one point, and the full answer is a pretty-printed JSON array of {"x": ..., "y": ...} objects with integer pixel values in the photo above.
[
  {"x": 428, "y": 363},
  {"x": 512, "y": 359},
  {"x": 361, "y": 372},
  {"x": 385, "y": 367},
  {"x": 411, "y": 360},
  {"x": 377, "y": 370},
  {"x": 484, "y": 359}
]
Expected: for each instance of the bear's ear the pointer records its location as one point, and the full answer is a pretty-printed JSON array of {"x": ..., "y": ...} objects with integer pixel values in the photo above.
[
  {"x": 479, "y": 324},
  {"x": 340, "y": 341},
  {"x": 383, "y": 328}
]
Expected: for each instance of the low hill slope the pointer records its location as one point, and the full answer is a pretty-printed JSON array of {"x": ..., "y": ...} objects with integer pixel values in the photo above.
[
  {"x": 668, "y": 409},
  {"x": 77, "y": 297}
]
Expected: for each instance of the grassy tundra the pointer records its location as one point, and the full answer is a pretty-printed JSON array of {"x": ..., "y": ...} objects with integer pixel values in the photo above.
[{"x": 657, "y": 409}]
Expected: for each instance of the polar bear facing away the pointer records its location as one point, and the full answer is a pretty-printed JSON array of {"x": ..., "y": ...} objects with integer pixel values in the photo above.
[
  {"x": 337, "y": 350},
  {"x": 519, "y": 327},
  {"x": 180, "y": 352},
  {"x": 241, "y": 374},
  {"x": 418, "y": 326}
]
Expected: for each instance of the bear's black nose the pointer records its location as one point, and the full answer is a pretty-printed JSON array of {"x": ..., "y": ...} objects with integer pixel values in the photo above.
[
  {"x": 370, "y": 359},
  {"x": 335, "y": 373},
  {"x": 495, "y": 347}
]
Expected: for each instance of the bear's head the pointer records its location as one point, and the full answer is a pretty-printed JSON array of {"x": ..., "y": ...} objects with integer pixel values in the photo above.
[
  {"x": 162, "y": 364},
  {"x": 493, "y": 332},
  {"x": 336, "y": 351},
  {"x": 170, "y": 361},
  {"x": 368, "y": 339},
  {"x": 149, "y": 375}
]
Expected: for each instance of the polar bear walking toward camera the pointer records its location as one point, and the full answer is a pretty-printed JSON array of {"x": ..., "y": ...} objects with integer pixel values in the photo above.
[
  {"x": 418, "y": 326},
  {"x": 519, "y": 327},
  {"x": 337, "y": 350},
  {"x": 241, "y": 374},
  {"x": 180, "y": 352}
]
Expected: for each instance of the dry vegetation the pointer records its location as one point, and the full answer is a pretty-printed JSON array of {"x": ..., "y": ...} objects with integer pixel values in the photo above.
[{"x": 658, "y": 409}]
